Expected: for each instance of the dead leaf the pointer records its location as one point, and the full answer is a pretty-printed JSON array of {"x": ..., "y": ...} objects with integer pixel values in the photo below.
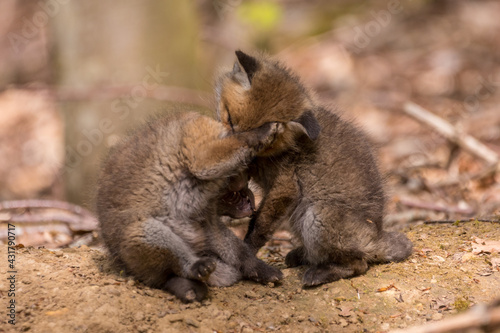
[
  {"x": 485, "y": 246},
  {"x": 467, "y": 256},
  {"x": 495, "y": 262},
  {"x": 345, "y": 312},
  {"x": 387, "y": 288},
  {"x": 57, "y": 312}
]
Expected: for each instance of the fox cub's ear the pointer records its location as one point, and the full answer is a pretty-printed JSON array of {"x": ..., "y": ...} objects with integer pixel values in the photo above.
[
  {"x": 309, "y": 124},
  {"x": 244, "y": 69}
]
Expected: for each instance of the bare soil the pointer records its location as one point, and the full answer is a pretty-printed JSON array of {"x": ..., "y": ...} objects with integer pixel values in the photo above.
[{"x": 453, "y": 267}]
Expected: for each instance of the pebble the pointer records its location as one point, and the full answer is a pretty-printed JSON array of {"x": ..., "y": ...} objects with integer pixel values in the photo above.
[
  {"x": 58, "y": 253},
  {"x": 247, "y": 329},
  {"x": 437, "y": 316},
  {"x": 251, "y": 294},
  {"x": 113, "y": 291},
  {"x": 343, "y": 322},
  {"x": 175, "y": 317},
  {"x": 301, "y": 318},
  {"x": 139, "y": 316},
  {"x": 192, "y": 322}
]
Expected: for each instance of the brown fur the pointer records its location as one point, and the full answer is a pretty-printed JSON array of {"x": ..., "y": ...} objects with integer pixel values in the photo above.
[
  {"x": 157, "y": 204},
  {"x": 320, "y": 174}
]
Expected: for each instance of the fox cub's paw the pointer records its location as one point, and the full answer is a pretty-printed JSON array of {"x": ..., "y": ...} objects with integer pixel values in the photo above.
[
  {"x": 262, "y": 272},
  {"x": 202, "y": 269},
  {"x": 186, "y": 290},
  {"x": 264, "y": 136}
]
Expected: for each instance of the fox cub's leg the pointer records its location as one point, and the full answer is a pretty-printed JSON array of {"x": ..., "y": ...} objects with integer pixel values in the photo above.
[
  {"x": 236, "y": 253},
  {"x": 324, "y": 273},
  {"x": 281, "y": 199},
  {"x": 185, "y": 289},
  {"x": 161, "y": 259}
]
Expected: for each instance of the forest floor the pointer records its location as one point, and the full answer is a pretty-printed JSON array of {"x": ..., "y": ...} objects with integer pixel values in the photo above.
[
  {"x": 442, "y": 55},
  {"x": 453, "y": 267}
]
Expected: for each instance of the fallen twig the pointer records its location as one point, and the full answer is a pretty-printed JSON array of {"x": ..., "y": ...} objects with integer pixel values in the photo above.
[
  {"x": 459, "y": 221},
  {"x": 435, "y": 207},
  {"x": 465, "y": 141},
  {"x": 479, "y": 317},
  {"x": 77, "y": 218}
]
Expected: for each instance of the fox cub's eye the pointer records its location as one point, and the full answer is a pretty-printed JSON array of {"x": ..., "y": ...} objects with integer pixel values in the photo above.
[{"x": 229, "y": 119}]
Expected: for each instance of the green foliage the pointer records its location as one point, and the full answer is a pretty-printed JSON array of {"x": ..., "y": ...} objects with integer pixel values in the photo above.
[
  {"x": 261, "y": 15},
  {"x": 461, "y": 304}
]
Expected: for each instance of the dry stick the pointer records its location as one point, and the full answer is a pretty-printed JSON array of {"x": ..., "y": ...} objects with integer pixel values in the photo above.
[
  {"x": 447, "y": 130},
  {"x": 479, "y": 316},
  {"x": 84, "y": 220},
  {"x": 435, "y": 207},
  {"x": 75, "y": 223},
  {"x": 460, "y": 221}
]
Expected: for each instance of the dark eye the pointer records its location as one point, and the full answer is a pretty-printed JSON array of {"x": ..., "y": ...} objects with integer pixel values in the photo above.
[{"x": 229, "y": 119}]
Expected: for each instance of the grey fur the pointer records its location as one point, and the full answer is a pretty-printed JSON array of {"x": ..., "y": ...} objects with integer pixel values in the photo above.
[
  {"x": 157, "y": 204},
  {"x": 321, "y": 176}
]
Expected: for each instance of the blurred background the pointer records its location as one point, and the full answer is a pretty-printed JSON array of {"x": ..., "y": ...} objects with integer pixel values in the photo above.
[{"x": 76, "y": 75}]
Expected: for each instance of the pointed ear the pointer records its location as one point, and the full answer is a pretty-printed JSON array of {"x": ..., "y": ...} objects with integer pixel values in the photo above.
[
  {"x": 249, "y": 64},
  {"x": 309, "y": 124}
]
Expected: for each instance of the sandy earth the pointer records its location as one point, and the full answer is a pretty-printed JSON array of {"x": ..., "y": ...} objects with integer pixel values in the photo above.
[{"x": 77, "y": 290}]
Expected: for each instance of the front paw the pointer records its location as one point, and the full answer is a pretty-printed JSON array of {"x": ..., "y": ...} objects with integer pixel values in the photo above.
[
  {"x": 264, "y": 136},
  {"x": 262, "y": 272},
  {"x": 202, "y": 269}
]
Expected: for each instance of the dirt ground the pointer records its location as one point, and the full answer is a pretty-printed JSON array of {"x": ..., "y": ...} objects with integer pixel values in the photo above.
[{"x": 453, "y": 267}]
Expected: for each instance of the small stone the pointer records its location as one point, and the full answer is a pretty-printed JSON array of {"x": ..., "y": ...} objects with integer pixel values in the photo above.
[
  {"x": 343, "y": 322},
  {"x": 192, "y": 322},
  {"x": 385, "y": 327},
  {"x": 114, "y": 292},
  {"x": 226, "y": 314},
  {"x": 232, "y": 324},
  {"x": 139, "y": 316},
  {"x": 175, "y": 317},
  {"x": 437, "y": 316},
  {"x": 58, "y": 253},
  {"x": 301, "y": 318},
  {"x": 250, "y": 294},
  {"x": 312, "y": 320},
  {"x": 271, "y": 284},
  {"x": 247, "y": 329},
  {"x": 285, "y": 319}
]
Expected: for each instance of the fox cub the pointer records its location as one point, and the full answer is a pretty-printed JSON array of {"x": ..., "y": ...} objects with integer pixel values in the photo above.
[
  {"x": 320, "y": 174},
  {"x": 159, "y": 196}
]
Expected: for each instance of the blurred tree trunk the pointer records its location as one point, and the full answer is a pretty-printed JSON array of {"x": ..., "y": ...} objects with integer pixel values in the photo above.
[{"x": 141, "y": 44}]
